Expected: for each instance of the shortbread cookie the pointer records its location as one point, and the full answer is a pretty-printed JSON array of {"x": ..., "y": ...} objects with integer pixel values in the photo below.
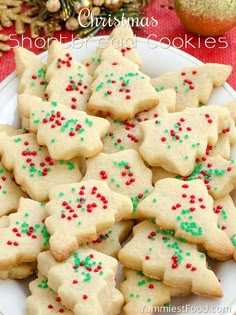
[
  {"x": 143, "y": 294},
  {"x": 31, "y": 72},
  {"x": 92, "y": 61},
  {"x": 232, "y": 108},
  {"x": 65, "y": 132},
  {"x": 119, "y": 88},
  {"x": 25, "y": 236},
  {"x": 43, "y": 301},
  {"x": 226, "y": 139},
  {"x": 84, "y": 282},
  {"x": 4, "y": 221},
  {"x": 20, "y": 271},
  {"x": 187, "y": 209},
  {"x": 226, "y": 211},
  {"x": 124, "y": 135},
  {"x": 161, "y": 256},
  {"x": 160, "y": 173},
  {"x": 193, "y": 85},
  {"x": 121, "y": 38},
  {"x": 33, "y": 168},
  {"x": 218, "y": 174},
  {"x": 10, "y": 131},
  {"x": 173, "y": 141},
  {"x": 77, "y": 212},
  {"x": 109, "y": 242},
  {"x": 68, "y": 80},
  {"x": 10, "y": 192},
  {"x": 124, "y": 172}
]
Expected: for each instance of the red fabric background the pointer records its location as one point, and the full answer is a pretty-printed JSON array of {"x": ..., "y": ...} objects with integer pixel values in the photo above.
[{"x": 169, "y": 27}]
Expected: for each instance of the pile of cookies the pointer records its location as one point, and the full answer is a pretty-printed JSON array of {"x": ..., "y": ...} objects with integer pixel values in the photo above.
[{"x": 106, "y": 155}]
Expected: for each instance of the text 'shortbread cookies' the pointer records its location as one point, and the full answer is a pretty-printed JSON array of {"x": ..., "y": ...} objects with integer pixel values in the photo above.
[
  {"x": 124, "y": 135},
  {"x": 160, "y": 256},
  {"x": 124, "y": 172},
  {"x": 119, "y": 89},
  {"x": 186, "y": 208},
  {"x": 193, "y": 85},
  {"x": 85, "y": 281},
  {"x": 65, "y": 132},
  {"x": 33, "y": 168},
  {"x": 25, "y": 236},
  {"x": 173, "y": 141},
  {"x": 77, "y": 212},
  {"x": 68, "y": 80}
]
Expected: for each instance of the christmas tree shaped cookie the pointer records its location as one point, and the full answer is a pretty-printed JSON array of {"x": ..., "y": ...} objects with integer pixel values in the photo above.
[
  {"x": 143, "y": 295},
  {"x": 33, "y": 168},
  {"x": 186, "y": 208},
  {"x": 122, "y": 38},
  {"x": 124, "y": 135},
  {"x": 173, "y": 141},
  {"x": 124, "y": 172},
  {"x": 68, "y": 80},
  {"x": 43, "y": 301},
  {"x": 226, "y": 211},
  {"x": 77, "y": 212},
  {"x": 25, "y": 236},
  {"x": 119, "y": 89},
  {"x": 218, "y": 174},
  {"x": 172, "y": 260},
  {"x": 20, "y": 271},
  {"x": 84, "y": 282},
  {"x": 31, "y": 72},
  {"x": 56, "y": 124},
  {"x": 193, "y": 85},
  {"x": 10, "y": 193},
  {"x": 109, "y": 241}
]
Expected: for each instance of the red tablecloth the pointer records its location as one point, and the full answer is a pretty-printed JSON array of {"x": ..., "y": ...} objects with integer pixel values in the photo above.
[{"x": 169, "y": 30}]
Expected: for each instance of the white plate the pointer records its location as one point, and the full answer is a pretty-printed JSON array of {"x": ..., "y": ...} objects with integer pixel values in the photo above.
[{"x": 157, "y": 58}]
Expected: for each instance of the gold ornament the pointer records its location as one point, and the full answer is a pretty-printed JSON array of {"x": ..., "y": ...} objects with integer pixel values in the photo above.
[
  {"x": 98, "y": 3},
  {"x": 81, "y": 4},
  {"x": 113, "y": 4},
  {"x": 53, "y": 5},
  {"x": 207, "y": 17},
  {"x": 72, "y": 24}
]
